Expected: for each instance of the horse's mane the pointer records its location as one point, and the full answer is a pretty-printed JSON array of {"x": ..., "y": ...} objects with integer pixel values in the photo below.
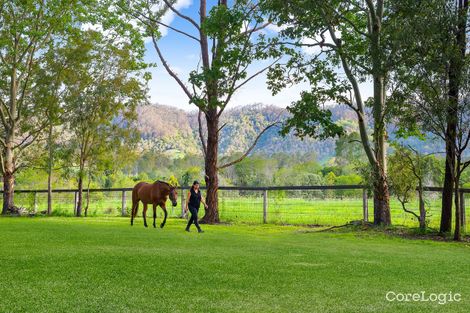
[{"x": 163, "y": 182}]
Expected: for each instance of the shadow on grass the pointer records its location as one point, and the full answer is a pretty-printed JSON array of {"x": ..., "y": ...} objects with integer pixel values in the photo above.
[{"x": 401, "y": 231}]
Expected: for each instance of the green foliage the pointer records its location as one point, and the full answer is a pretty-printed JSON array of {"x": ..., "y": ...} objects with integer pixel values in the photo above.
[
  {"x": 409, "y": 170},
  {"x": 311, "y": 120},
  {"x": 29, "y": 31},
  {"x": 404, "y": 176},
  {"x": 173, "y": 181},
  {"x": 349, "y": 150},
  {"x": 191, "y": 174},
  {"x": 101, "y": 99}
]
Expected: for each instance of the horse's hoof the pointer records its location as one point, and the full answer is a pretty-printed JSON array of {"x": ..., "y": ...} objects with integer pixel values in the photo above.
[
  {"x": 145, "y": 226},
  {"x": 161, "y": 225},
  {"x": 154, "y": 226}
]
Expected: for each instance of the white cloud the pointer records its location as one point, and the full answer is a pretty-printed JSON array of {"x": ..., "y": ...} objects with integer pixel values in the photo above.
[
  {"x": 275, "y": 28},
  {"x": 170, "y": 15}
]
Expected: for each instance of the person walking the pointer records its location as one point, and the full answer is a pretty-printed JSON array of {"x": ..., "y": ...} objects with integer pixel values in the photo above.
[{"x": 194, "y": 202}]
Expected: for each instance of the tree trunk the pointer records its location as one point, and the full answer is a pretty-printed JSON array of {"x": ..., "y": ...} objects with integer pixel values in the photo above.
[
  {"x": 455, "y": 72},
  {"x": 422, "y": 209},
  {"x": 457, "y": 232},
  {"x": 49, "y": 192},
  {"x": 80, "y": 191},
  {"x": 211, "y": 215},
  {"x": 381, "y": 201},
  {"x": 87, "y": 195},
  {"x": 8, "y": 191},
  {"x": 448, "y": 188},
  {"x": 49, "y": 173},
  {"x": 8, "y": 177},
  {"x": 381, "y": 190}
]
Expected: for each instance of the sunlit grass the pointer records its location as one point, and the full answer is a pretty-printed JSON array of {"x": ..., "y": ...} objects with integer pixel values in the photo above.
[{"x": 105, "y": 265}]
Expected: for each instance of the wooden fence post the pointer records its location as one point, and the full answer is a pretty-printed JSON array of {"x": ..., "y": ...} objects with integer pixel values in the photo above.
[
  {"x": 35, "y": 201},
  {"x": 463, "y": 218},
  {"x": 265, "y": 206},
  {"x": 365, "y": 205},
  {"x": 182, "y": 202},
  {"x": 75, "y": 204},
  {"x": 123, "y": 203}
]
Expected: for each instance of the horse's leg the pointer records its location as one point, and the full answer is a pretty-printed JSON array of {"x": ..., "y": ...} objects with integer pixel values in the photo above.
[
  {"x": 135, "y": 208},
  {"x": 154, "y": 215},
  {"x": 144, "y": 214},
  {"x": 164, "y": 219}
]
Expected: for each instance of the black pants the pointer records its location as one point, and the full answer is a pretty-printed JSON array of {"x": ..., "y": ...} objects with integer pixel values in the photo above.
[{"x": 193, "y": 218}]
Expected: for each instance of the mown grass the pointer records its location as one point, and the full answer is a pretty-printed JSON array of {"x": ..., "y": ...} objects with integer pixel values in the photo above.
[{"x": 104, "y": 265}]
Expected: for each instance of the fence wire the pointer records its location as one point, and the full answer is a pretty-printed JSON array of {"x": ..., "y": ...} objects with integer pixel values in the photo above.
[{"x": 283, "y": 206}]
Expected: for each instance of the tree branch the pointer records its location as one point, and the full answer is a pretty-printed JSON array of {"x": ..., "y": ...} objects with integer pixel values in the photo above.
[
  {"x": 234, "y": 89},
  {"x": 255, "y": 29},
  {"x": 201, "y": 134},
  {"x": 249, "y": 149},
  {"x": 406, "y": 210},
  {"x": 182, "y": 15},
  {"x": 169, "y": 70}
]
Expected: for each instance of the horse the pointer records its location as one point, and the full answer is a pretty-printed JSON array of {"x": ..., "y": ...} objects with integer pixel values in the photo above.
[{"x": 155, "y": 194}]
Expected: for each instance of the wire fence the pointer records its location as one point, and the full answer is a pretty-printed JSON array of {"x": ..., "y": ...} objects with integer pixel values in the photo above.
[{"x": 306, "y": 205}]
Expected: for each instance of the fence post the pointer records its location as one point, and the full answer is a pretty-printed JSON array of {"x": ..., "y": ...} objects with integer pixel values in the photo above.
[
  {"x": 75, "y": 204},
  {"x": 35, "y": 201},
  {"x": 463, "y": 218},
  {"x": 365, "y": 205},
  {"x": 265, "y": 206},
  {"x": 123, "y": 203}
]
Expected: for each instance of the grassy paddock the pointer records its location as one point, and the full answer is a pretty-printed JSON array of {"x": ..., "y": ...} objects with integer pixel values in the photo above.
[
  {"x": 298, "y": 207},
  {"x": 104, "y": 265}
]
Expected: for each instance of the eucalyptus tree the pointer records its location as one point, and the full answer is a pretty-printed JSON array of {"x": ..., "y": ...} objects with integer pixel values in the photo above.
[
  {"x": 27, "y": 27},
  {"x": 434, "y": 81},
  {"x": 229, "y": 38},
  {"x": 102, "y": 93},
  {"x": 339, "y": 48},
  {"x": 434, "y": 87},
  {"x": 48, "y": 93}
]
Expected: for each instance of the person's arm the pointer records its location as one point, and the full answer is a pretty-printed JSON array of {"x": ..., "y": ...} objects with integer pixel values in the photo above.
[
  {"x": 187, "y": 201},
  {"x": 203, "y": 202}
]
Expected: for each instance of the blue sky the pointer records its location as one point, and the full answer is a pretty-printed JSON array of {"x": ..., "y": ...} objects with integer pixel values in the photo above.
[{"x": 182, "y": 54}]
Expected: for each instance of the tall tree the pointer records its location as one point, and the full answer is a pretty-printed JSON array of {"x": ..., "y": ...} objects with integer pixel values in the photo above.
[
  {"x": 336, "y": 47},
  {"x": 433, "y": 91},
  {"x": 229, "y": 39},
  {"x": 26, "y": 29},
  {"x": 458, "y": 40},
  {"x": 48, "y": 93},
  {"x": 101, "y": 97}
]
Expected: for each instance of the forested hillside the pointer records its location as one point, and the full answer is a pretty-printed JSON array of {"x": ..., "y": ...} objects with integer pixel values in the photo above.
[{"x": 174, "y": 132}]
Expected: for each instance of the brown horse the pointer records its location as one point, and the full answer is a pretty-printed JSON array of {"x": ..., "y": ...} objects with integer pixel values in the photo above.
[{"x": 155, "y": 194}]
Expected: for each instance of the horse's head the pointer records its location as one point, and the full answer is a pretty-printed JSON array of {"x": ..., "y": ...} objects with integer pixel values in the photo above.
[{"x": 173, "y": 196}]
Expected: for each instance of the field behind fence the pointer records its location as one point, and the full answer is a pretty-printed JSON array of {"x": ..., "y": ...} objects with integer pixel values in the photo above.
[{"x": 312, "y": 205}]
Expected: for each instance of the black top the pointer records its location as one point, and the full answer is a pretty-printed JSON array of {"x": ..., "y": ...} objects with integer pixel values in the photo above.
[{"x": 195, "y": 199}]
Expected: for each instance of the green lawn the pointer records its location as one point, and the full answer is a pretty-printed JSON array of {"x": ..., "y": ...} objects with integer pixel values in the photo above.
[{"x": 63, "y": 264}]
